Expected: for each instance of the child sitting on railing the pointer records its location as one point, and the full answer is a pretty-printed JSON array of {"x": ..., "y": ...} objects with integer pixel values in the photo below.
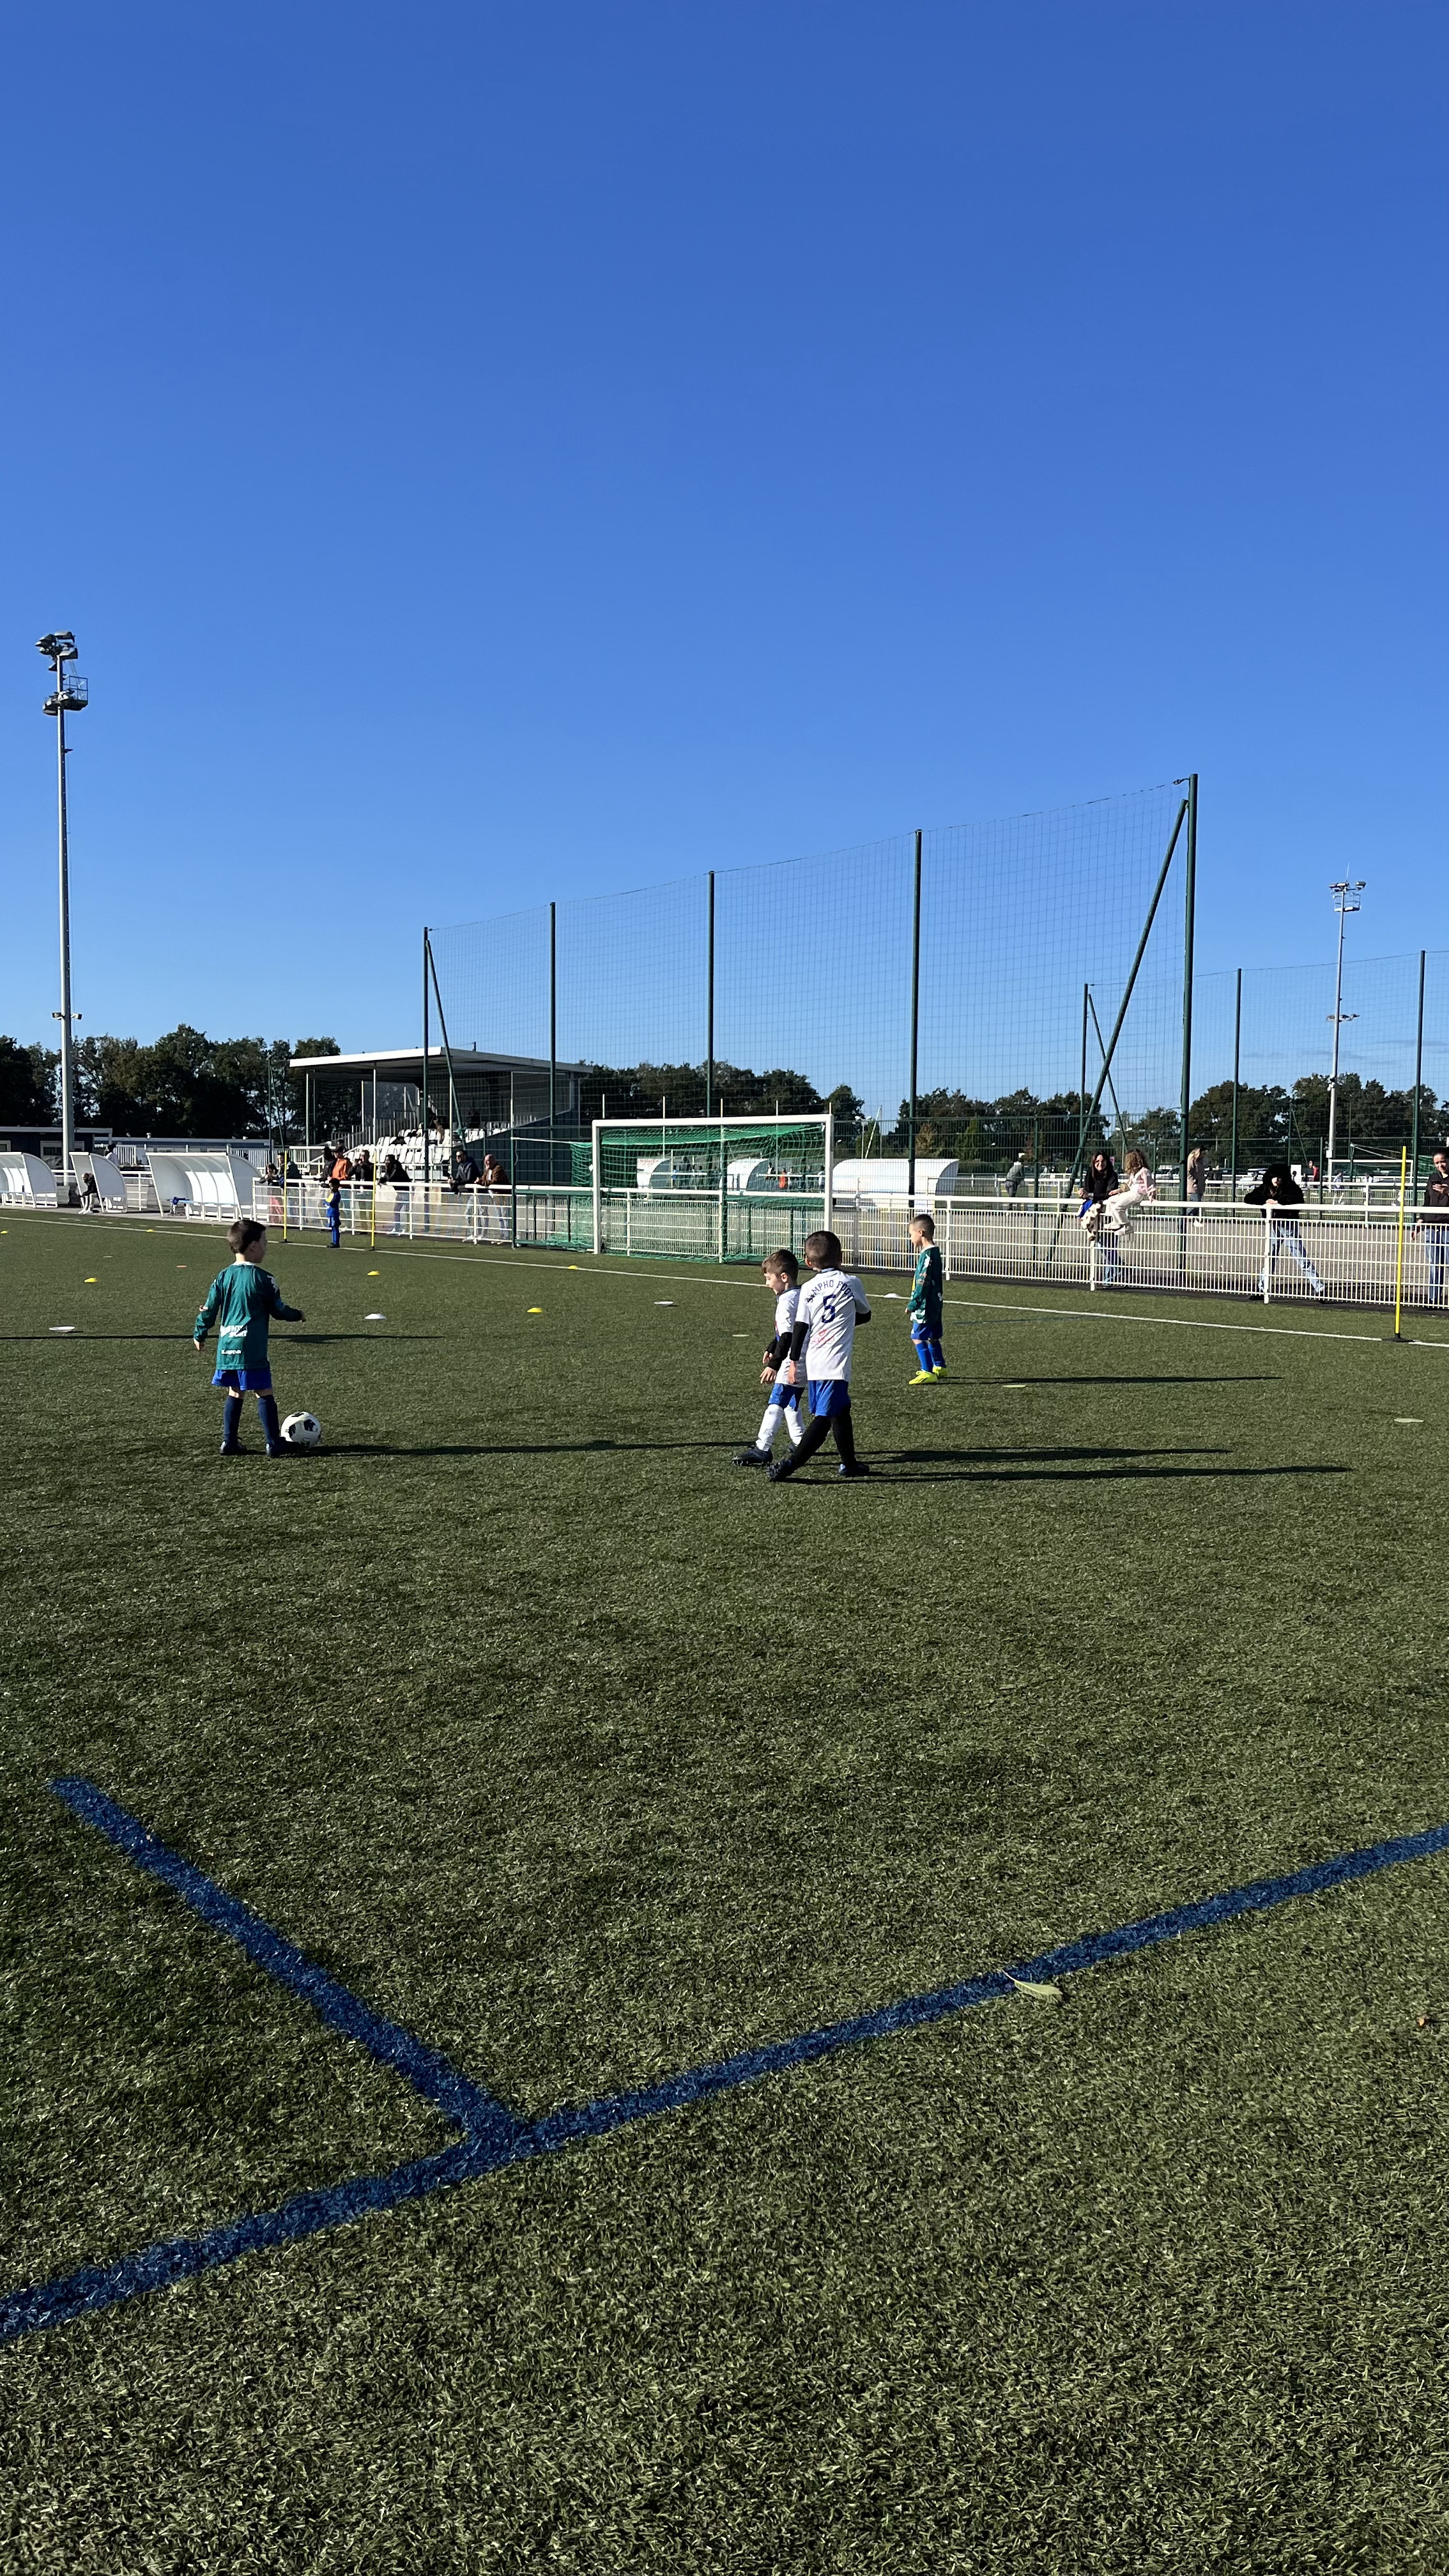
[{"x": 1137, "y": 1188}]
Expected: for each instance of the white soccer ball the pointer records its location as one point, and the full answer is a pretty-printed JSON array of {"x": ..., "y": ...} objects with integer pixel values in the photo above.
[{"x": 302, "y": 1431}]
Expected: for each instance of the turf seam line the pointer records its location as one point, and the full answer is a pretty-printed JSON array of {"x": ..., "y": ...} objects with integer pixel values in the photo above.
[
  {"x": 473, "y": 2111},
  {"x": 492, "y": 2149}
]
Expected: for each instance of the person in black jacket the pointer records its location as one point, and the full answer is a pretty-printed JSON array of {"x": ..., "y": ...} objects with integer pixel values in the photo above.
[
  {"x": 1279, "y": 1190},
  {"x": 1432, "y": 1222}
]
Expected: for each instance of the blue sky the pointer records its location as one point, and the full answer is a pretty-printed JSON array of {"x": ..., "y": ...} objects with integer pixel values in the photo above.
[{"x": 496, "y": 451}]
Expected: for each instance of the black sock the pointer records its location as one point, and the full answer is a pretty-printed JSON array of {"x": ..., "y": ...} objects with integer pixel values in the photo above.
[
  {"x": 814, "y": 1436},
  {"x": 844, "y": 1430},
  {"x": 267, "y": 1408},
  {"x": 230, "y": 1421}
]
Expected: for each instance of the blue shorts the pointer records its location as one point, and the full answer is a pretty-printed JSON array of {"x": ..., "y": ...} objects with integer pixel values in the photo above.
[
  {"x": 829, "y": 1396},
  {"x": 780, "y": 1394},
  {"x": 927, "y": 1327},
  {"x": 253, "y": 1381}
]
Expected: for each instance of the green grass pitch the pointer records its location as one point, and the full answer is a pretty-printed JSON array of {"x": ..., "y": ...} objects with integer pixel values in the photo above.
[{"x": 587, "y": 1759}]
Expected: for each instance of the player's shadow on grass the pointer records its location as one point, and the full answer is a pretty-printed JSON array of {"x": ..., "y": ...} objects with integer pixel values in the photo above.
[
  {"x": 1010, "y": 1384},
  {"x": 1070, "y": 1466},
  {"x": 511, "y": 1448},
  {"x": 80, "y": 1333}
]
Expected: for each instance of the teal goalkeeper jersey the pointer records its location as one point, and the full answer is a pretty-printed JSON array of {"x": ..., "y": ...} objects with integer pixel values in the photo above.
[
  {"x": 926, "y": 1290},
  {"x": 241, "y": 1302}
]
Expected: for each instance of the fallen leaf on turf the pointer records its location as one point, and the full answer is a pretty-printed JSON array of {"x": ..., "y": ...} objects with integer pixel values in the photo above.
[{"x": 1037, "y": 1994}]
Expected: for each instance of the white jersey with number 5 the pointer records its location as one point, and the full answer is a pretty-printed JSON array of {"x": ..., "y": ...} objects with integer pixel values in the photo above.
[{"x": 829, "y": 1305}]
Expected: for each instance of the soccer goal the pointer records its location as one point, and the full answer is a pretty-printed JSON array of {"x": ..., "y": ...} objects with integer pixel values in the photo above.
[{"x": 719, "y": 1189}]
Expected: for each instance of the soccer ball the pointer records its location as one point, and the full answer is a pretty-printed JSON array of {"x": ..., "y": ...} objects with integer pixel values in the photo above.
[{"x": 302, "y": 1431}]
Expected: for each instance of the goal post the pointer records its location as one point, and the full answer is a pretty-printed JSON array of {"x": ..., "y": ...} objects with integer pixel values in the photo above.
[{"x": 722, "y": 1160}]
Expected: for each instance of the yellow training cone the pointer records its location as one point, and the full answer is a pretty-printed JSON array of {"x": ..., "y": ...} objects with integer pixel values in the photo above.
[{"x": 535, "y": 1310}]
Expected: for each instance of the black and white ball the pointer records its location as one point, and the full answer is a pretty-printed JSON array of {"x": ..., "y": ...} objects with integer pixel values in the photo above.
[{"x": 302, "y": 1431}]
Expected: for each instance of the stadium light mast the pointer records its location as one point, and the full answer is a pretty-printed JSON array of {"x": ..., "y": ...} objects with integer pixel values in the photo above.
[
  {"x": 70, "y": 694},
  {"x": 1345, "y": 895}
]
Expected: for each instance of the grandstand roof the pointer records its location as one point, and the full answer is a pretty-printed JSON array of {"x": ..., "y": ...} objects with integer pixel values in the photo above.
[{"x": 405, "y": 1064}]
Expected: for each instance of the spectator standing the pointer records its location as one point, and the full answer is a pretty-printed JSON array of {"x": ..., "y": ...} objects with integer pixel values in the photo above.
[
  {"x": 1432, "y": 1222},
  {"x": 1280, "y": 1195},
  {"x": 1196, "y": 1180},
  {"x": 495, "y": 1183}
]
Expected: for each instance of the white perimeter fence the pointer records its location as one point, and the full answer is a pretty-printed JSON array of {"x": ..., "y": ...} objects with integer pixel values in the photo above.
[{"x": 1349, "y": 1255}]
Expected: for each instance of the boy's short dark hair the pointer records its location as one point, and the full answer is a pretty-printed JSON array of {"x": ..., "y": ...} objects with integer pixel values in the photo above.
[
  {"x": 244, "y": 1233},
  {"x": 784, "y": 1260},
  {"x": 927, "y": 1225},
  {"x": 828, "y": 1248}
]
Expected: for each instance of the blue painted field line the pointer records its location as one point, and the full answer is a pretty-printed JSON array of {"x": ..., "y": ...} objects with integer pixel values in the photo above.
[
  {"x": 493, "y": 2141},
  {"x": 474, "y": 2112}
]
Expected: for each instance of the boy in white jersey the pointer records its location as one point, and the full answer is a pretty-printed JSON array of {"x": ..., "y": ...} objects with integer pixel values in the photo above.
[
  {"x": 829, "y": 1310},
  {"x": 782, "y": 1274}
]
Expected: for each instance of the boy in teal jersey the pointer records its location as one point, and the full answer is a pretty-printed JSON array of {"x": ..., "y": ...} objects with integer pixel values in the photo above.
[
  {"x": 241, "y": 1302},
  {"x": 924, "y": 1312}
]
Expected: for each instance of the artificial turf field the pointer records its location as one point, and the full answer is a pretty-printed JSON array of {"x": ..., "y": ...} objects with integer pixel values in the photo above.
[{"x": 586, "y": 1760}]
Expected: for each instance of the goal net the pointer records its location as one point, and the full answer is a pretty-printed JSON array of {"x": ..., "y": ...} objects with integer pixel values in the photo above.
[{"x": 741, "y": 1186}]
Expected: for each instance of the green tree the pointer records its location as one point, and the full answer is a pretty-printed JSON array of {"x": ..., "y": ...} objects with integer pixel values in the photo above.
[{"x": 27, "y": 1084}]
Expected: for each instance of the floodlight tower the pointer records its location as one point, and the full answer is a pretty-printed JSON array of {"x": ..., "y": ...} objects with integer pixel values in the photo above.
[
  {"x": 69, "y": 695},
  {"x": 1345, "y": 900}
]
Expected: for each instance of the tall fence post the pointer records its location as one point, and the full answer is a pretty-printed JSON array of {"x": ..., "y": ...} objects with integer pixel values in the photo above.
[
  {"x": 1418, "y": 1074},
  {"x": 709, "y": 1012},
  {"x": 1082, "y": 1094},
  {"x": 1237, "y": 1060},
  {"x": 1189, "y": 909},
  {"x": 552, "y": 1030},
  {"x": 598, "y": 1190},
  {"x": 426, "y": 1159},
  {"x": 915, "y": 1030},
  {"x": 827, "y": 1216}
]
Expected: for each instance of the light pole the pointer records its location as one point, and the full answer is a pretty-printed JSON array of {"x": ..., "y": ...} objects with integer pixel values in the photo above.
[
  {"x": 70, "y": 693},
  {"x": 1345, "y": 900}
]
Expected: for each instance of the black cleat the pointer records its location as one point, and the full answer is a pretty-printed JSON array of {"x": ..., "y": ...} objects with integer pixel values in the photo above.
[
  {"x": 751, "y": 1458},
  {"x": 852, "y": 1472},
  {"x": 230, "y": 1449},
  {"x": 780, "y": 1468},
  {"x": 278, "y": 1449}
]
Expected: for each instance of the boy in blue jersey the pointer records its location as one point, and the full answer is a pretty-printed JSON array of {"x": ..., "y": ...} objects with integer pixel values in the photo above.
[
  {"x": 829, "y": 1310},
  {"x": 241, "y": 1302},
  {"x": 782, "y": 1276},
  {"x": 925, "y": 1312}
]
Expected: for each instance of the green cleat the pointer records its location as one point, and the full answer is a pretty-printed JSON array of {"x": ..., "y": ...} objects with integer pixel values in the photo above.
[
  {"x": 923, "y": 1377},
  {"x": 940, "y": 1372}
]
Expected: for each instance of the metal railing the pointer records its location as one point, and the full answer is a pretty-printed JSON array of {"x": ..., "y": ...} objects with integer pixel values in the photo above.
[{"x": 1300, "y": 1256}]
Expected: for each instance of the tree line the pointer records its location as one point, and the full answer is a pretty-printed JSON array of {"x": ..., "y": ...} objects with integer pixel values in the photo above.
[
  {"x": 188, "y": 1084},
  {"x": 185, "y": 1084},
  {"x": 1271, "y": 1118}
]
